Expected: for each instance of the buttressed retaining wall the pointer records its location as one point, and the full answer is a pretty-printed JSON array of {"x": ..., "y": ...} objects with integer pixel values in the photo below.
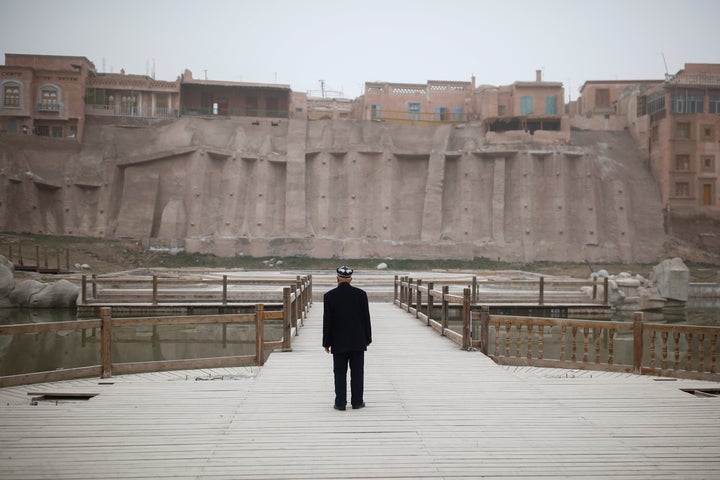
[{"x": 344, "y": 189}]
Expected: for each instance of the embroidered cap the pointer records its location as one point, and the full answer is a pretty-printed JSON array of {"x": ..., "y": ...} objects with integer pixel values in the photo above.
[{"x": 344, "y": 272}]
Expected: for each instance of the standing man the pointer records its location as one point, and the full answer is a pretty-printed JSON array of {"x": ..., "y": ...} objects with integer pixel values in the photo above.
[{"x": 346, "y": 334}]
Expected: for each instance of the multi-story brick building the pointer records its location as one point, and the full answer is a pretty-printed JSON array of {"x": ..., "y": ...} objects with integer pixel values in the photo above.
[
  {"x": 43, "y": 94},
  {"x": 682, "y": 117}
]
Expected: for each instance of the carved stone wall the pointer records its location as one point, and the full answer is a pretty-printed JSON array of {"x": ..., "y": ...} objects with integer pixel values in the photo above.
[{"x": 340, "y": 189}]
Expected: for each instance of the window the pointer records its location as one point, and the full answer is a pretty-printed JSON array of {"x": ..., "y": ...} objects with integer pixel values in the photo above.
[
  {"x": 441, "y": 114},
  {"x": 49, "y": 99},
  {"x": 686, "y": 101},
  {"x": 714, "y": 101},
  {"x": 708, "y": 163},
  {"x": 526, "y": 105},
  {"x": 11, "y": 95},
  {"x": 656, "y": 102},
  {"x": 707, "y": 132},
  {"x": 682, "y": 163},
  {"x": 251, "y": 105},
  {"x": 551, "y": 105},
  {"x": 161, "y": 105},
  {"x": 682, "y": 189},
  {"x": 57, "y": 132},
  {"x": 375, "y": 111},
  {"x": 413, "y": 111},
  {"x": 458, "y": 115},
  {"x": 602, "y": 98},
  {"x": 683, "y": 130},
  {"x": 501, "y": 110},
  {"x": 128, "y": 104},
  {"x": 42, "y": 130}
]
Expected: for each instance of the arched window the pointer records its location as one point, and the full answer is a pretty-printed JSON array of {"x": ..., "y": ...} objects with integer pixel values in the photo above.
[
  {"x": 49, "y": 97},
  {"x": 11, "y": 94}
]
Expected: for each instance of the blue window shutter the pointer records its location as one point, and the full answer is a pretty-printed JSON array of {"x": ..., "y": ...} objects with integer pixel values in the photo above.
[
  {"x": 551, "y": 105},
  {"x": 526, "y": 105}
]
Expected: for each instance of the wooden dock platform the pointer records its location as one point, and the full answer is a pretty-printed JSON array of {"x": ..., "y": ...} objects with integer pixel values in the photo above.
[{"x": 433, "y": 411}]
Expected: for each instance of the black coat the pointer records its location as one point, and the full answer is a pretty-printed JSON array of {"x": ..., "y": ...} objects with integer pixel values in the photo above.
[{"x": 346, "y": 319}]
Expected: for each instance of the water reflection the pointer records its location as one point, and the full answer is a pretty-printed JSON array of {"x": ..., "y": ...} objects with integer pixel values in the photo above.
[{"x": 40, "y": 352}]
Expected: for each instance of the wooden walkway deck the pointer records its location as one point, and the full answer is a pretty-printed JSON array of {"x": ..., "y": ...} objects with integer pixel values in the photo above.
[{"x": 433, "y": 411}]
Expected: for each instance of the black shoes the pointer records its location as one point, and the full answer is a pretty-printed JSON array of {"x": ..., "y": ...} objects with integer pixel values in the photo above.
[{"x": 355, "y": 407}]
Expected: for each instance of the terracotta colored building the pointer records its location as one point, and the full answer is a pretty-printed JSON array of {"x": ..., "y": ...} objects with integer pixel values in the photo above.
[
  {"x": 601, "y": 104},
  {"x": 43, "y": 95},
  {"x": 683, "y": 125},
  {"x": 109, "y": 94},
  {"x": 220, "y": 98},
  {"x": 436, "y": 101}
]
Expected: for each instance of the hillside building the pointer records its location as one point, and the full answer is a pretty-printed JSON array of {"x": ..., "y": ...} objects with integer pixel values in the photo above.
[{"x": 43, "y": 95}]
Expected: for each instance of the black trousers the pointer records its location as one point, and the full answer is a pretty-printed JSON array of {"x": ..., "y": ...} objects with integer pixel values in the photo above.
[{"x": 356, "y": 360}]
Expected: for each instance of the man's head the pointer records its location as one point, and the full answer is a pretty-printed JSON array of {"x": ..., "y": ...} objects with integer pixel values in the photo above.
[{"x": 344, "y": 274}]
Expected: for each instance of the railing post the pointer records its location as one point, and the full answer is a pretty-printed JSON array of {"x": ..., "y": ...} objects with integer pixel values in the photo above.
[
  {"x": 484, "y": 328},
  {"x": 395, "y": 288},
  {"x": 94, "y": 285},
  {"x": 606, "y": 294},
  {"x": 67, "y": 259},
  {"x": 296, "y": 309},
  {"x": 310, "y": 290},
  {"x": 409, "y": 298},
  {"x": 83, "y": 293},
  {"x": 154, "y": 290},
  {"x": 594, "y": 297},
  {"x": 224, "y": 290},
  {"x": 444, "y": 310},
  {"x": 106, "y": 342},
  {"x": 259, "y": 334},
  {"x": 637, "y": 342},
  {"x": 466, "y": 319},
  {"x": 20, "y": 255},
  {"x": 474, "y": 289},
  {"x": 419, "y": 299},
  {"x": 287, "y": 323},
  {"x": 542, "y": 291},
  {"x": 430, "y": 302}
]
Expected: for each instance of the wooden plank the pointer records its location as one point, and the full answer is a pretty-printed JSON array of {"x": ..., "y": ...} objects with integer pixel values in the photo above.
[{"x": 433, "y": 411}]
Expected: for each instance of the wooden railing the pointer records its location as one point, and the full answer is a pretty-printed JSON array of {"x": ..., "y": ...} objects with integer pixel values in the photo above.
[
  {"x": 296, "y": 303},
  {"x": 533, "y": 290},
  {"x": 682, "y": 351},
  {"x": 42, "y": 260},
  {"x": 155, "y": 289}
]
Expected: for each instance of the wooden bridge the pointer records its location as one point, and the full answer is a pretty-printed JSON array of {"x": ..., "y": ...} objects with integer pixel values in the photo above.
[{"x": 434, "y": 411}]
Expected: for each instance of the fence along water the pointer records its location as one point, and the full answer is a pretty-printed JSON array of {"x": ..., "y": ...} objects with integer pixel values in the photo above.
[
  {"x": 296, "y": 302},
  {"x": 681, "y": 351}
]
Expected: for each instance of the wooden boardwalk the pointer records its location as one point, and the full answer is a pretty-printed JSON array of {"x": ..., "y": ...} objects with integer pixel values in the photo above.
[{"x": 433, "y": 411}]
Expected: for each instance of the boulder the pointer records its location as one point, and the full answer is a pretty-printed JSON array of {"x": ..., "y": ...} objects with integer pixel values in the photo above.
[
  {"x": 20, "y": 297},
  {"x": 7, "y": 277},
  {"x": 672, "y": 279},
  {"x": 60, "y": 294}
]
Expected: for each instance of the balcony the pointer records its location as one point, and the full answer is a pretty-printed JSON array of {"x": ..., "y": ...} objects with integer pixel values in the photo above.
[{"x": 47, "y": 107}]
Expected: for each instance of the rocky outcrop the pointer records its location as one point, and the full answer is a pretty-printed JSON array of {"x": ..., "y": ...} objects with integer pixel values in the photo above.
[
  {"x": 32, "y": 293},
  {"x": 672, "y": 278},
  {"x": 669, "y": 281}
]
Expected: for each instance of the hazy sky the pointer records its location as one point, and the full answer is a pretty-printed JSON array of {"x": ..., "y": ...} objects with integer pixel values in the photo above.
[{"x": 346, "y": 43}]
